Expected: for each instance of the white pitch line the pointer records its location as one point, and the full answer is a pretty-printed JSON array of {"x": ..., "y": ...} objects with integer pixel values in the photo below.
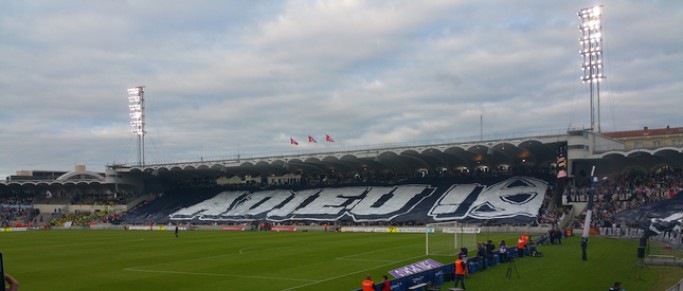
[
  {"x": 349, "y": 274},
  {"x": 189, "y": 260},
  {"x": 240, "y": 252},
  {"x": 365, "y": 260},
  {"x": 218, "y": 274},
  {"x": 346, "y": 258}
]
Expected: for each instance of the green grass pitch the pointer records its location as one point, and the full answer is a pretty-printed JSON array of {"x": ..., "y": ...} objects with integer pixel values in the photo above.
[{"x": 214, "y": 260}]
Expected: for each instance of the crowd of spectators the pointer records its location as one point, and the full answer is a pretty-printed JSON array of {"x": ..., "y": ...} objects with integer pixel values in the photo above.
[
  {"x": 625, "y": 192},
  {"x": 554, "y": 216},
  {"x": 11, "y": 216},
  {"x": 18, "y": 209},
  {"x": 612, "y": 195},
  {"x": 15, "y": 210},
  {"x": 108, "y": 198},
  {"x": 79, "y": 197},
  {"x": 364, "y": 177},
  {"x": 83, "y": 218}
]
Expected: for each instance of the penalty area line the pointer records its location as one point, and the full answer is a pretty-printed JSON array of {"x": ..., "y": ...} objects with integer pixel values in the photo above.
[{"x": 218, "y": 274}]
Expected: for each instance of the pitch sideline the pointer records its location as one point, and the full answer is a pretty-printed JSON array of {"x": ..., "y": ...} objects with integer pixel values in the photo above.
[
  {"x": 217, "y": 274},
  {"x": 349, "y": 274}
]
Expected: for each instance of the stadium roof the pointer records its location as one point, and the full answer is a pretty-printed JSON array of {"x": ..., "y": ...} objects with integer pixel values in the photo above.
[
  {"x": 645, "y": 132},
  {"x": 585, "y": 149}
]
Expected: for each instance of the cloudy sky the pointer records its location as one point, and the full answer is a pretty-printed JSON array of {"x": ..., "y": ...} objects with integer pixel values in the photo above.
[{"x": 228, "y": 77}]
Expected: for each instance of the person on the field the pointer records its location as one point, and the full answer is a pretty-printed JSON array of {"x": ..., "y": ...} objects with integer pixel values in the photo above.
[
  {"x": 386, "y": 286},
  {"x": 520, "y": 247},
  {"x": 490, "y": 249},
  {"x": 584, "y": 245},
  {"x": 368, "y": 284},
  {"x": 176, "y": 230},
  {"x": 617, "y": 287},
  {"x": 460, "y": 272},
  {"x": 12, "y": 284},
  {"x": 503, "y": 251},
  {"x": 481, "y": 256},
  {"x": 533, "y": 251},
  {"x": 463, "y": 253}
]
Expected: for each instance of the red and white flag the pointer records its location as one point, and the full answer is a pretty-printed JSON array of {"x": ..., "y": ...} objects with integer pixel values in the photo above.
[
  {"x": 311, "y": 139},
  {"x": 328, "y": 138},
  {"x": 292, "y": 141}
]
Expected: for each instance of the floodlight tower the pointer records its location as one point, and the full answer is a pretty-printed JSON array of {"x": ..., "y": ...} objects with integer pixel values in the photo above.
[
  {"x": 591, "y": 53},
  {"x": 136, "y": 104}
]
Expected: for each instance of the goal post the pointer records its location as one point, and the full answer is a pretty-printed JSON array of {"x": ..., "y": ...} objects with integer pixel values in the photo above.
[{"x": 447, "y": 238}]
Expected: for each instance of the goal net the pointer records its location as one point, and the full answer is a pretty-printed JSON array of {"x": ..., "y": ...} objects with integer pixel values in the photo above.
[{"x": 447, "y": 238}]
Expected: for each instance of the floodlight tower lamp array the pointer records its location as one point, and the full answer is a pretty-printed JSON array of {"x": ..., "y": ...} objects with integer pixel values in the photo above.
[
  {"x": 591, "y": 53},
  {"x": 136, "y": 105}
]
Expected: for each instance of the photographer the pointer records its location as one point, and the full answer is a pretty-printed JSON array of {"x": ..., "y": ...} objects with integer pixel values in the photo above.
[{"x": 533, "y": 251}]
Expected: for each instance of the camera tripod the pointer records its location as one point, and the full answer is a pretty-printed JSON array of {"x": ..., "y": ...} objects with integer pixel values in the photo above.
[{"x": 511, "y": 266}]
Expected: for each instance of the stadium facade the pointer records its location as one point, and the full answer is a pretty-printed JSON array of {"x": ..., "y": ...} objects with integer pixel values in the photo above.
[{"x": 571, "y": 154}]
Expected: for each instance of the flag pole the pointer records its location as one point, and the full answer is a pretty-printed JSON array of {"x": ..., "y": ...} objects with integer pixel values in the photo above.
[
  {"x": 589, "y": 211},
  {"x": 481, "y": 127}
]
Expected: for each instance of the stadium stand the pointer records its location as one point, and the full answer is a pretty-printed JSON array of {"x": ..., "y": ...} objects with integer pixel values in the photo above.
[
  {"x": 16, "y": 210},
  {"x": 626, "y": 191},
  {"x": 506, "y": 199},
  {"x": 486, "y": 196}
]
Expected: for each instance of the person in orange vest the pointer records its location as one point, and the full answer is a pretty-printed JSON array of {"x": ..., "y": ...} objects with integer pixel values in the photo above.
[
  {"x": 520, "y": 246},
  {"x": 368, "y": 284},
  {"x": 460, "y": 272}
]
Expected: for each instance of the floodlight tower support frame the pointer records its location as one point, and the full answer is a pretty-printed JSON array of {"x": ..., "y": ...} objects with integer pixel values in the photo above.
[{"x": 591, "y": 53}]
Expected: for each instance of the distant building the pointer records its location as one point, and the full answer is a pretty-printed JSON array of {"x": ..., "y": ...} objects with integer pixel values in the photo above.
[
  {"x": 24, "y": 175},
  {"x": 79, "y": 173},
  {"x": 648, "y": 138}
]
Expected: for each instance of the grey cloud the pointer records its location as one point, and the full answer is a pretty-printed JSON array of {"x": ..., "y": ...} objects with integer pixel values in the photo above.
[{"x": 243, "y": 77}]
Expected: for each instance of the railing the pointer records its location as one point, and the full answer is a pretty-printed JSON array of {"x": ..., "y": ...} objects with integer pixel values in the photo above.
[{"x": 677, "y": 287}]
